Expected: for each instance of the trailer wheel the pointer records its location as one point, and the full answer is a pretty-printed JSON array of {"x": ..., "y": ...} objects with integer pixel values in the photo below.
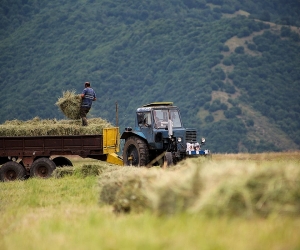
[
  {"x": 168, "y": 159},
  {"x": 135, "y": 152},
  {"x": 61, "y": 161},
  {"x": 11, "y": 171},
  {"x": 42, "y": 167}
]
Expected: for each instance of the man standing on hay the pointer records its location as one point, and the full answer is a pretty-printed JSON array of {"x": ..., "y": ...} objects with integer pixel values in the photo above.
[{"x": 88, "y": 96}]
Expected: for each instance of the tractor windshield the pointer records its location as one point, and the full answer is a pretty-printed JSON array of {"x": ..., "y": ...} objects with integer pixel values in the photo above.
[
  {"x": 174, "y": 115},
  {"x": 161, "y": 117}
]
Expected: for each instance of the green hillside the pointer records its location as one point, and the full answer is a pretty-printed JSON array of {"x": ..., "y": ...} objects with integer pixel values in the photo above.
[{"x": 232, "y": 66}]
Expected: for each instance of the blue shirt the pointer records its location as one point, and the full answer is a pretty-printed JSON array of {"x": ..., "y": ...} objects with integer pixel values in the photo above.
[{"x": 89, "y": 96}]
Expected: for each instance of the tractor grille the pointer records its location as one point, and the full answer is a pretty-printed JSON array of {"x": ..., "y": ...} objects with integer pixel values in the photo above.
[{"x": 191, "y": 135}]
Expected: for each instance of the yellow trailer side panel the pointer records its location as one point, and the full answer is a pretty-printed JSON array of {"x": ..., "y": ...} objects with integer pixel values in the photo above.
[{"x": 111, "y": 140}]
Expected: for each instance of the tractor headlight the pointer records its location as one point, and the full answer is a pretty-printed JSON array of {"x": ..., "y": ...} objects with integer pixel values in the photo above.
[{"x": 179, "y": 139}]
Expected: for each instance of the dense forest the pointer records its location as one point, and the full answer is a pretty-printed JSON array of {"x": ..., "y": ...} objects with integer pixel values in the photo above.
[{"x": 231, "y": 66}]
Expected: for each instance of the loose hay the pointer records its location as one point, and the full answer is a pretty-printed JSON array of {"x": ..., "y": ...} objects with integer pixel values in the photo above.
[
  {"x": 84, "y": 170},
  {"x": 137, "y": 189},
  {"x": 39, "y": 127},
  {"x": 221, "y": 188},
  {"x": 271, "y": 190},
  {"x": 95, "y": 169},
  {"x": 130, "y": 197},
  {"x": 69, "y": 104},
  {"x": 89, "y": 170},
  {"x": 123, "y": 188},
  {"x": 62, "y": 172}
]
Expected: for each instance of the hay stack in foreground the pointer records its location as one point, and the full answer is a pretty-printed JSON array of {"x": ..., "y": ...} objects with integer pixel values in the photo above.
[
  {"x": 69, "y": 104},
  {"x": 38, "y": 127},
  {"x": 212, "y": 189}
]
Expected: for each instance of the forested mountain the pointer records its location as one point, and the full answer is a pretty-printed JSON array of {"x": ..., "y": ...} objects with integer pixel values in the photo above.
[{"x": 232, "y": 66}]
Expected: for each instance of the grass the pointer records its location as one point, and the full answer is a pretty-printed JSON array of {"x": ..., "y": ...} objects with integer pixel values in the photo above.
[{"x": 64, "y": 213}]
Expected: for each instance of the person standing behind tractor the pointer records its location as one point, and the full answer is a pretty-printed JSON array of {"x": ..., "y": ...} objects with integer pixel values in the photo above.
[{"x": 88, "y": 96}]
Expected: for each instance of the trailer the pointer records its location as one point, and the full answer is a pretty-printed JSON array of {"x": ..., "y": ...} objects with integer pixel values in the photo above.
[{"x": 24, "y": 156}]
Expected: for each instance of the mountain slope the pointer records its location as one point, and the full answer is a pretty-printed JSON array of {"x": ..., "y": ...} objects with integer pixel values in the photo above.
[{"x": 209, "y": 57}]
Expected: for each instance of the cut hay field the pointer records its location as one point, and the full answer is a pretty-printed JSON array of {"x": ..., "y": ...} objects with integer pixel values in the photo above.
[{"x": 234, "y": 201}]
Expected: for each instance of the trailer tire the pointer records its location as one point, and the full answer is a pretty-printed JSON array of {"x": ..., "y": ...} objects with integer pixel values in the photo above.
[
  {"x": 11, "y": 171},
  {"x": 61, "y": 161},
  {"x": 42, "y": 168},
  {"x": 168, "y": 159},
  {"x": 135, "y": 152}
]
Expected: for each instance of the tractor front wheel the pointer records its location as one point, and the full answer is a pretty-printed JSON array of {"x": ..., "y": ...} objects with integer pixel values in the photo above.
[{"x": 135, "y": 152}]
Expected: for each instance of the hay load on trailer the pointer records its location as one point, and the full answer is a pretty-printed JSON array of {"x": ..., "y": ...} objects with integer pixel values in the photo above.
[
  {"x": 43, "y": 127},
  {"x": 69, "y": 104},
  {"x": 38, "y": 156}
]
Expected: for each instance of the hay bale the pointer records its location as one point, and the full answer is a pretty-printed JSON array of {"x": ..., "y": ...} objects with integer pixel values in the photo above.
[{"x": 69, "y": 104}]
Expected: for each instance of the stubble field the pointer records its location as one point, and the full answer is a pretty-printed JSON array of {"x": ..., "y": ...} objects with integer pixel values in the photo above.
[{"x": 200, "y": 204}]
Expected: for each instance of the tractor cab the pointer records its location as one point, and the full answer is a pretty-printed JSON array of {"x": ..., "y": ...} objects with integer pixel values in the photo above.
[
  {"x": 159, "y": 122},
  {"x": 158, "y": 116}
]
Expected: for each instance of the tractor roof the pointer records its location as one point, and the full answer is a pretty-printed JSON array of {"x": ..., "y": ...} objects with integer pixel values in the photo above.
[{"x": 154, "y": 104}]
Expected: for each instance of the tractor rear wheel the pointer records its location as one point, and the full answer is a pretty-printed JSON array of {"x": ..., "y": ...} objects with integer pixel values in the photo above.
[
  {"x": 42, "y": 167},
  {"x": 11, "y": 171},
  {"x": 135, "y": 152}
]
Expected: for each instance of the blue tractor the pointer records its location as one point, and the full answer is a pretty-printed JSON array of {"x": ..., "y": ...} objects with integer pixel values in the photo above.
[{"x": 159, "y": 137}]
